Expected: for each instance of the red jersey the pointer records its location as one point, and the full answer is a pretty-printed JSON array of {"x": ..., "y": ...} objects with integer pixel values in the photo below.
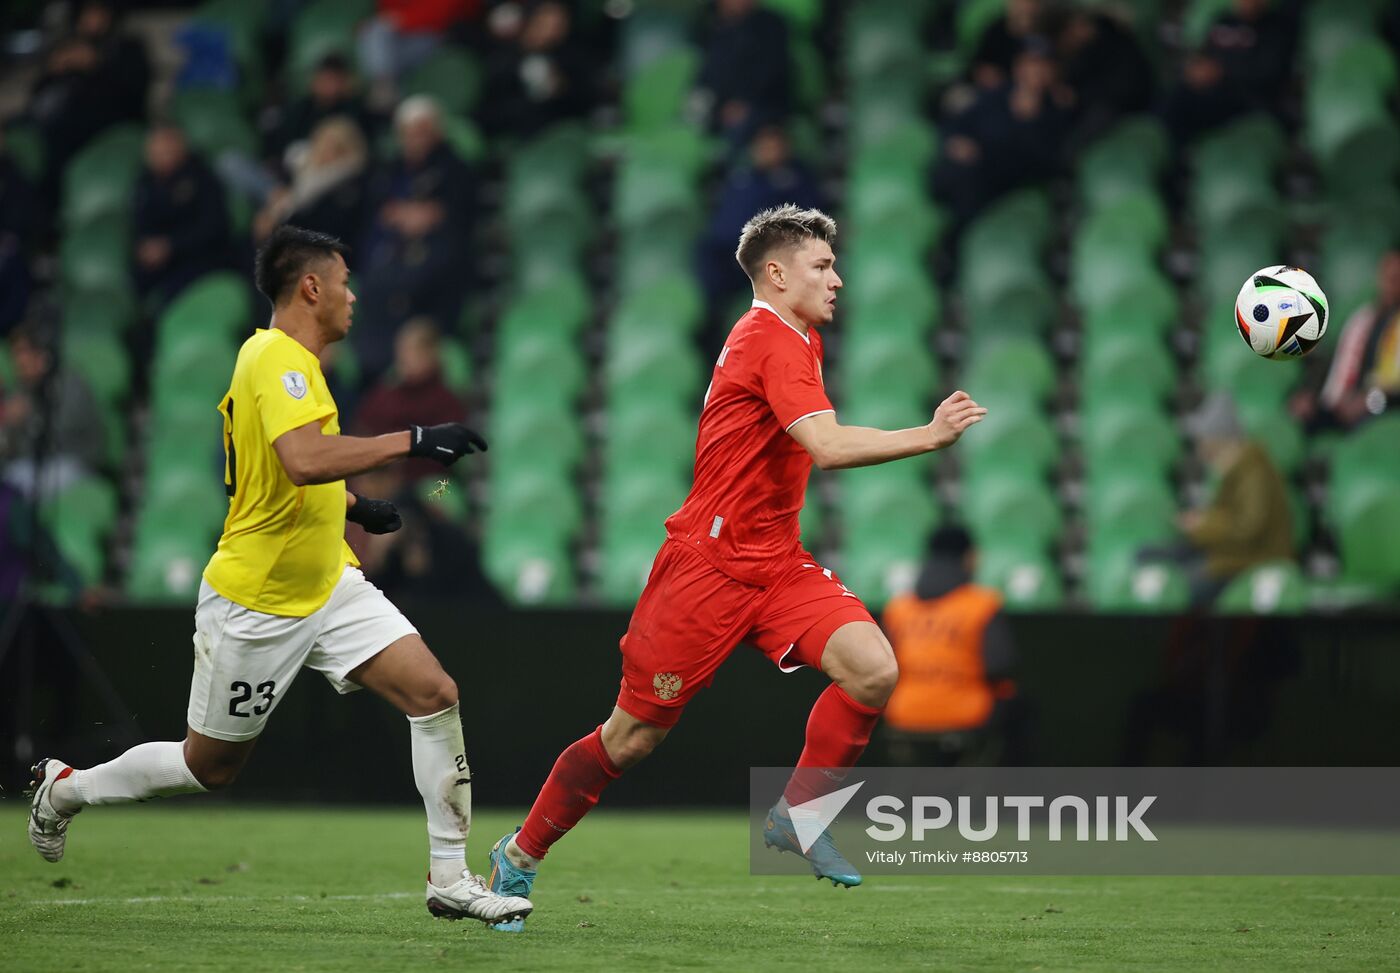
[{"x": 750, "y": 475}]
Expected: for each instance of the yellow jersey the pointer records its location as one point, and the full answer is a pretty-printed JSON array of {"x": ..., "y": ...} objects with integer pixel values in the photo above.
[{"x": 283, "y": 548}]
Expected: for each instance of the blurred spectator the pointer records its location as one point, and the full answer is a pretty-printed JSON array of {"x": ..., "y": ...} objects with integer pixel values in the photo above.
[
  {"x": 1106, "y": 67},
  {"x": 956, "y": 654},
  {"x": 330, "y": 93},
  {"x": 414, "y": 393},
  {"x": 771, "y": 178},
  {"x": 415, "y": 251},
  {"x": 536, "y": 73},
  {"x": 402, "y": 35},
  {"x": 1003, "y": 41},
  {"x": 1243, "y": 66},
  {"x": 50, "y": 429},
  {"x": 1247, "y": 522},
  {"x": 180, "y": 219},
  {"x": 327, "y": 193},
  {"x": 1009, "y": 136},
  {"x": 93, "y": 77},
  {"x": 18, "y": 217},
  {"x": 1364, "y": 377},
  {"x": 431, "y": 556},
  {"x": 745, "y": 80}
]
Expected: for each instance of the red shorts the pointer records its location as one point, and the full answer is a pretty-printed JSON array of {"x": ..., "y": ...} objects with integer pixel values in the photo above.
[{"x": 692, "y": 615}]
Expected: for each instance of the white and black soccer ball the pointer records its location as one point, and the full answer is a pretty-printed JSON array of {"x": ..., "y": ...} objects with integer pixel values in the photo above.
[{"x": 1281, "y": 312}]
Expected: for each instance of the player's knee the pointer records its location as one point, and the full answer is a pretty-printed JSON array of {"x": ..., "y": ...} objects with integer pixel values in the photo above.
[
  {"x": 215, "y": 775},
  {"x": 441, "y": 695},
  {"x": 873, "y": 682}
]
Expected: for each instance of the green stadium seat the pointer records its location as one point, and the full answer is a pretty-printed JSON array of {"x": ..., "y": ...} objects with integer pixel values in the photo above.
[
  {"x": 559, "y": 304},
  {"x": 527, "y": 570},
  {"x": 801, "y": 15},
  {"x": 1351, "y": 132},
  {"x": 646, "y": 195},
  {"x": 1115, "y": 493},
  {"x": 1365, "y": 513},
  {"x": 1016, "y": 441},
  {"x": 655, "y": 96},
  {"x": 1114, "y": 280},
  {"x": 1135, "y": 220},
  {"x": 185, "y": 493},
  {"x": 626, "y": 563},
  {"x": 1332, "y": 29},
  {"x": 87, "y": 506},
  {"x": 98, "y": 181},
  {"x": 1015, "y": 369},
  {"x": 636, "y": 502},
  {"x": 1269, "y": 589},
  {"x": 1254, "y": 383},
  {"x": 101, "y": 358},
  {"x": 1127, "y": 160},
  {"x": 896, "y": 290},
  {"x": 167, "y": 563},
  {"x": 1011, "y": 511},
  {"x": 1020, "y": 221},
  {"x": 451, "y": 76},
  {"x": 871, "y": 359},
  {"x": 105, "y": 311},
  {"x": 528, "y": 429},
  {"x": 812, "y": 521},
  {"x": 895, "y": 209},
  {"x": 649, "y": 432},
  {"x": 885, "y": 407},
  {"x": 670, "y": 303},
  {"x": 213, "y": 121},
  {"x": 1367, "y": 61},
  {"x": 877, "y": 569},
  {"x": 217, "y": 304},
  {"x": 1271, "y": 425},
  {"x": 1373, "y": 449},
  {"x": 96, "y": 257},
  {"x": 1254, "y": 144},
  {"x": 1117, "y": 583},
  {"x": 973, "y": 19},
  {"x": 547, "y": 503},
  {"x": 544, "y": 361},
  {"x": 891, "y": 135},
  {"x": 882, "y": 43},
  {"x": 1028, "y": 581},
  {"x": 1008, "y": 294},
  {"x": 1126, "y": 362},
  {"x": 543, "y": 211},
  {"x": 886, "y": 503},
  {"x": 1117, "y": 438},
  {"x": 1228, "y": 199}
]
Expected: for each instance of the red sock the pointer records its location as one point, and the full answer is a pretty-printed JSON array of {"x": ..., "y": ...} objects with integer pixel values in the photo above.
[
  {"x": 573, "y": 787},
  {"x": 837, "y": 732}
]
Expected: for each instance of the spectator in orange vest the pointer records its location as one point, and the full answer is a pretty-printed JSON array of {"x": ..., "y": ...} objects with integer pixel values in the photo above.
[{"x": 955, "y": 655}]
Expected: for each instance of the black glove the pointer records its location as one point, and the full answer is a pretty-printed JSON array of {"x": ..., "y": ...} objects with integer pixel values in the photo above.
[
  {"x": 375, "y": 516},
  {"x": 445, "y": 443}
]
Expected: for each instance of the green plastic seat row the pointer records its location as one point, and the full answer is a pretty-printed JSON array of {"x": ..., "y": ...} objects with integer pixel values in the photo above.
[{"x": 98, "y": 181}]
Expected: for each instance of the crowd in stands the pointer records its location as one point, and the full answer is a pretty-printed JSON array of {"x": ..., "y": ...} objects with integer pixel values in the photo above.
[{"x": 348, "y": 144}]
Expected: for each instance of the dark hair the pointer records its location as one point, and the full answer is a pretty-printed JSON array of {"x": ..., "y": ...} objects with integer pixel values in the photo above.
[
  {"x": 780, "y": 227},
  {"x": 286, "y": 255},
  {"x": 951, "y": 541}
]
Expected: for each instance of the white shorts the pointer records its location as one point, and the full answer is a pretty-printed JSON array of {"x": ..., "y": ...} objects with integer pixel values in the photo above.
[{"x": 244, "y": 661}]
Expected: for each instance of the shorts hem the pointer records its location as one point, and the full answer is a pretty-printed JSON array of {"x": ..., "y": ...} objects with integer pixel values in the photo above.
[
  {"x": 652, "y": 713},
  {"x": 340, "y": 679},
  {"x": 224, "y": 735},
  {"x": 823, "y": 629}
]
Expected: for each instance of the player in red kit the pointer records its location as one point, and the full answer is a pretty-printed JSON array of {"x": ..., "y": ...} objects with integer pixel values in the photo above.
[{"x": 732, "y": 568}]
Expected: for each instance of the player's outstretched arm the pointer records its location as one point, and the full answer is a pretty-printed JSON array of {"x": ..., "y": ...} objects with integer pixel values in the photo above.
[
  {"x": 309, "y": 457},
  {"x": 837, "y": 447}
]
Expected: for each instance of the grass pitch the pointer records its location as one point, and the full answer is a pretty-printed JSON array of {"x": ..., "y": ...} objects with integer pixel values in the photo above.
[{"x": 191, "y": 886}]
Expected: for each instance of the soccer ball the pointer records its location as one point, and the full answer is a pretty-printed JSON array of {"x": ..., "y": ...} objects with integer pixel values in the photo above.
[{"x": 1281, "y": 312}]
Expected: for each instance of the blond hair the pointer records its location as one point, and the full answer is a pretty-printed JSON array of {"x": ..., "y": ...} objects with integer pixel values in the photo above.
[{"x": 780, "y": 228}]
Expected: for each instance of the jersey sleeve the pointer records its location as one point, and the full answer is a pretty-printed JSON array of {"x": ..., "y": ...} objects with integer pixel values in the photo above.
[
  {"x": 791, "y": 384},
  {"x": 283, "y": 392}
]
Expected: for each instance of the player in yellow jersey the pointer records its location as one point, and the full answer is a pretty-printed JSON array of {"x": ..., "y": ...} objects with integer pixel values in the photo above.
[{"x": 284, "y": 592}]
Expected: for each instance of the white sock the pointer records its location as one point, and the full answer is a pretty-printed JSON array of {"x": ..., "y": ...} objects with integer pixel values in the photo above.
[
  {"x": 445, "y": 782},
  {"x": 144, "y": 772}
]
